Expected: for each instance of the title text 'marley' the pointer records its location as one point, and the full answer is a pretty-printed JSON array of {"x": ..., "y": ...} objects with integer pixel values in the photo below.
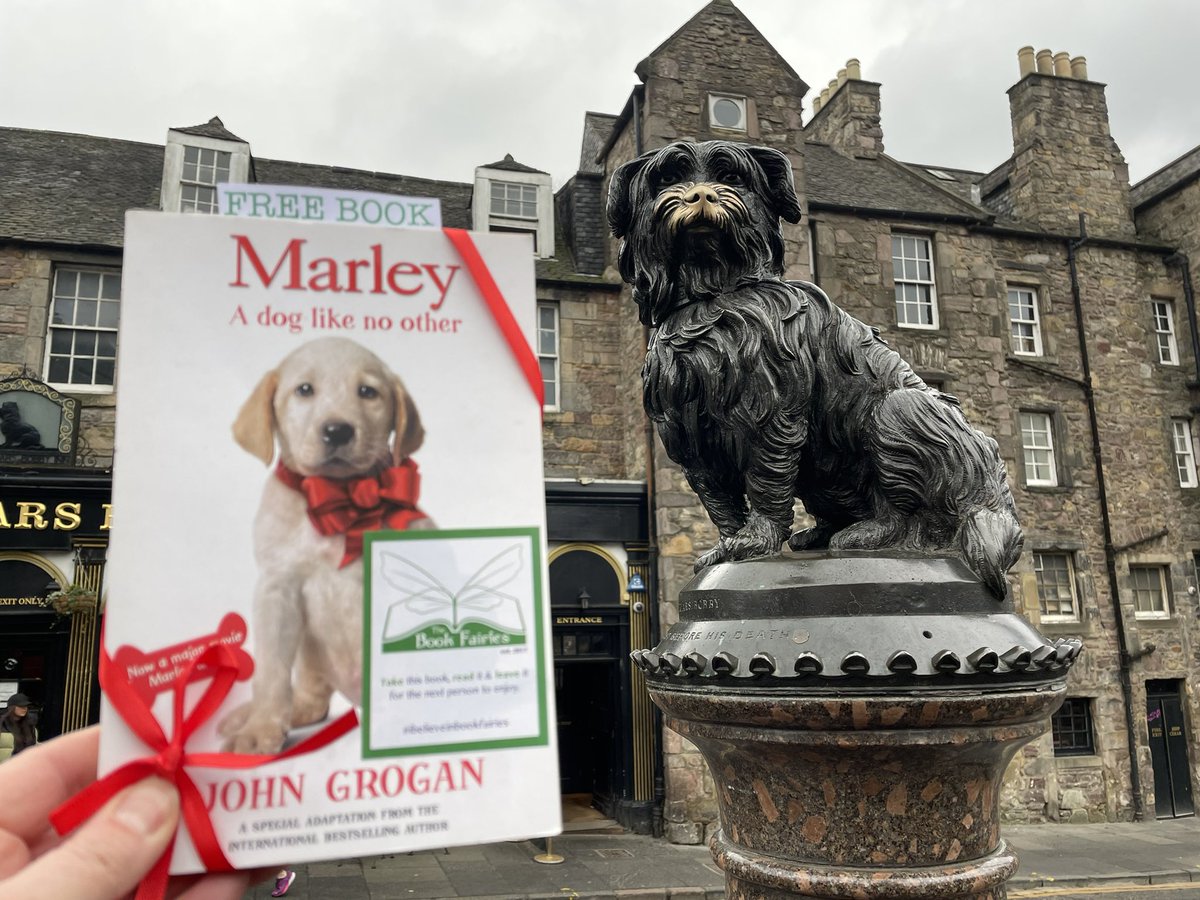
[{"x": 370, "y": 275}]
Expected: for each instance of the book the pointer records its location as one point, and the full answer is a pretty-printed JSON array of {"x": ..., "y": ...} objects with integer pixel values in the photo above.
[{"x": 328, "y": 463}]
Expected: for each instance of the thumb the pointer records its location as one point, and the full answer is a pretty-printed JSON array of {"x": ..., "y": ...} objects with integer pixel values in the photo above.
[{"x": 110, "y": 853}]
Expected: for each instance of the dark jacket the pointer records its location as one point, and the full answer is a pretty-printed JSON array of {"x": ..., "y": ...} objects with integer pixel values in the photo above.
[{"x": 23, "y": 729}]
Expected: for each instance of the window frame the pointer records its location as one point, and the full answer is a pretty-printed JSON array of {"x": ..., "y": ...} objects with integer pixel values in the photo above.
[
  {"x": 196, "y": 184},
  {"x": 1182, "y": 427},
  {"x": 918, "y": 283},
  {"x": 1035, "y": 322},
  {"x": 73, "y": 329},
  {"x": 1074, "y": 710},
  {"x": 1167, "y": 317},
  {"x": 742, "y": 104},
  {"x": 1054, "y": 480},
  {"x": 1039, "y": 568},
  {"x": 522, "y": 189},
  {"x": 1164, "y": 585},
  {"x": 555, "y": 358}
]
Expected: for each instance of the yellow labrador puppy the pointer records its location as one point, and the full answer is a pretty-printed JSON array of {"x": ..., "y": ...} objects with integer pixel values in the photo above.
[{"x": 345, "y": 427}]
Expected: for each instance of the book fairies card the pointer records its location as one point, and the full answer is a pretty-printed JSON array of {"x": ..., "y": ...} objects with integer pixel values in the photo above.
[{"x": 329, "y": 538}]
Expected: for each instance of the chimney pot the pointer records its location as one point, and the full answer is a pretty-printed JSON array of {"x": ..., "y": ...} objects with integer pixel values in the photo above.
[
  {"x": 1045, "y": 62},
  {"x": 833, "y": 85},
  {"x": 841, "y": 77},
  {"x": 825, "y": 96},
  {"x": 853, "y": 70},
  {"x": 816, "y": 104},
  {"x": 1026, "y": 61},
  {"x": 1079, "y": 68},
  {"x": 1062, "y": 64}
]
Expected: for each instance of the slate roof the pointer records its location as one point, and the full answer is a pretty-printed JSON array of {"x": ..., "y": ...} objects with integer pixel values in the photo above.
[
  {"x": 59, "y": 188},
  {"x": 508, "y": 164},
  {"x": 1167, "y": 180},
  {"x": 72, "y": 188},
  {"x": 213, "y": 128},
  {"x": 881, "y": 185},
  {"x": 596, "y": 130}
]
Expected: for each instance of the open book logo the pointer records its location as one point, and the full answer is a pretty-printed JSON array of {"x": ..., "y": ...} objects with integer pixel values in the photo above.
[{"x": 429, "y": 616}]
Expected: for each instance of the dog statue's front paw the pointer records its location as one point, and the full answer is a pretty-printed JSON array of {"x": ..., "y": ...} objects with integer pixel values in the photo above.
[
  {"x": 758, "y": 537},
  {"x": 247, "y": 732},
  {"x": 712, "y": 557}
]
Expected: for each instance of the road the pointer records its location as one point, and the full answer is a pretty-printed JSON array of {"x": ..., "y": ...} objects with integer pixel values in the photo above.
[{"x": 1180, "y": 891}]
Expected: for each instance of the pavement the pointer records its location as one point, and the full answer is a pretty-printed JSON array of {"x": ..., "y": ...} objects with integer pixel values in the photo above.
[{"x": 635, "y": 867}]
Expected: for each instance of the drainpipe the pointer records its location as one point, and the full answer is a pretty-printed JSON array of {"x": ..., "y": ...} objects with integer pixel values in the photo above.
[
  {"x": 1179, "y": 258},
  {"x": 1110, "y": 553},
  {"x": 660, "y": 787}
]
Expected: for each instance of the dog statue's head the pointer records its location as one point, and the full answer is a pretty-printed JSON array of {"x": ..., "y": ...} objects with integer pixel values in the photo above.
[
  {"x": 698, "y": 219},
  {"x": 333, "y": 407}
]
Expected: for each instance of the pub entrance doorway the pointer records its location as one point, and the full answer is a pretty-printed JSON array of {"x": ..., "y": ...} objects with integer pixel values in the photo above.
[
  {"x": 1169, "y": 749},
  {"x": 591, "y": 680}
]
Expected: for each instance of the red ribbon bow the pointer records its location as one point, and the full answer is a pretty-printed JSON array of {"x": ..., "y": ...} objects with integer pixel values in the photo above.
[
  {"x": 350, "y": 507},
  {"x": 171, "y": 758}
]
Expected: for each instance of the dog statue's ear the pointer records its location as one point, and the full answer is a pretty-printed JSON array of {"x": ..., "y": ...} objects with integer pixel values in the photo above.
[
  {"x": 410, "y": 434},
  {"x": 781, "y": 186},
  {"x": 254, "y": 427},
  {"x": 620, "y": 201}
]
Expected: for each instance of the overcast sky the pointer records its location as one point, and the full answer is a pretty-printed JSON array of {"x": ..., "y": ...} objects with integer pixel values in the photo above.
[{"x": 436, "y": 87}]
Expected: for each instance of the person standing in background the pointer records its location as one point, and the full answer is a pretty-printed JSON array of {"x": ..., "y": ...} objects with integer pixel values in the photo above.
[{"x": 20, "y": 723}]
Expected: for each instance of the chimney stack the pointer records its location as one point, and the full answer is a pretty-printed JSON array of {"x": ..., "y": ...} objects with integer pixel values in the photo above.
[
  {"x": 846, "y": 115},
  {"x": 1065, "y": 161}
]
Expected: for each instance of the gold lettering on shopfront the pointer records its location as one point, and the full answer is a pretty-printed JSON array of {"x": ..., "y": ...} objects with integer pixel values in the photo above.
[
  {"x": 578, "y": 620},
  {"x": 33, "y": 516}
]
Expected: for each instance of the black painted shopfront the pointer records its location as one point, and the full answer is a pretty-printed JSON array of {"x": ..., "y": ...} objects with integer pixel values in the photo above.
[{"x": 601, "y": 593}]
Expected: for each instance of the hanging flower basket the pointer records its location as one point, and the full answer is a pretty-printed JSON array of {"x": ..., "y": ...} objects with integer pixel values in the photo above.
[{"x": 73, "y": 599}]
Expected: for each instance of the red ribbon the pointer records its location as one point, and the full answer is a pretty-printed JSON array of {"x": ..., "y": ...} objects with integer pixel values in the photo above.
[
  {"x": 499, "y": 308},
  {"x": 170, "y": 759},
  {"x": 352, "y": 506}
]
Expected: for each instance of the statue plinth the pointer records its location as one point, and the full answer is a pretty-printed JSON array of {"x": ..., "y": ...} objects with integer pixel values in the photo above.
[{"x": 857, "y": 712}]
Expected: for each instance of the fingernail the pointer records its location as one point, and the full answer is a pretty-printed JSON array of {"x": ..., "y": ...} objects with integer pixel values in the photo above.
[{"x": 145, "y": 806}]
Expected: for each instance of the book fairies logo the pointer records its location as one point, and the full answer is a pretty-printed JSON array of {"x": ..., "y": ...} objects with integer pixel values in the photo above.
[{"x": 431, "y": 615}]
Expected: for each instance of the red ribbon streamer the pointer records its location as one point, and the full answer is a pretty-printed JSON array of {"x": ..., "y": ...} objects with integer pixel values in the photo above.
[
  {"x": 171, "y": 757},
  {"x": 499, "y": 308}
]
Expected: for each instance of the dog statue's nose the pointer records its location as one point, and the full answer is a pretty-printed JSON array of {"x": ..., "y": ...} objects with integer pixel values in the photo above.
[
  {"x": 700, "y": 195},
  {"x": 337, "y": 434}
]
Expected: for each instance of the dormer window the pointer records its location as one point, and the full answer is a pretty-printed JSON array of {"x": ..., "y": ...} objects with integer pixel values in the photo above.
[
  {"x": 517, "y": 201},
  {"x": 197, "y": 159},
  {"x": 515, "y": 198},
  {"x": 203, "y": 170},
  {"x": 727, "y": 112}
]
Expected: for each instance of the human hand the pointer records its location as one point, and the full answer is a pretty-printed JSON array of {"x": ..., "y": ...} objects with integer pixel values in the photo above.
[{"x": 108, "y": 855}]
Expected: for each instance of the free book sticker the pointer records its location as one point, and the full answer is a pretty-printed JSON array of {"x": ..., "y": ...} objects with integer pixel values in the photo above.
[{"x": 452, "y": 630}]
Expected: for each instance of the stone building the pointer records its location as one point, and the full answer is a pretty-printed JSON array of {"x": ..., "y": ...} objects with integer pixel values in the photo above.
[{"x": 1051, "y": 296}]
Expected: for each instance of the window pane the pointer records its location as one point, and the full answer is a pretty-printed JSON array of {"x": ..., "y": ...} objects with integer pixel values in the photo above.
[
  {"x": 110, "y": 287},
  {"x": 60, "y": 369},
  {"x": 104, "y": 371},
  {"x": 89, "y": 284},
  {"x": 81, "y": 371},
  {"x": 110, "y": 315},
  {"x": 106, "y": 343},
  {"x": 1055, "y": 585},
  {"x": 64, "y": 312},
  {"x": 85, "y": 312},
  {"x": 65, "y": 281},
  {"x": 60, "y": 341},
  {"x": 85, "y": 343}
]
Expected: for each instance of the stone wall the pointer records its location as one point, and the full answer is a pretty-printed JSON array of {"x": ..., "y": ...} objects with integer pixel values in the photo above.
[
  {"x": 583, "y": 439},
  {"x": 26, "y": 280}
]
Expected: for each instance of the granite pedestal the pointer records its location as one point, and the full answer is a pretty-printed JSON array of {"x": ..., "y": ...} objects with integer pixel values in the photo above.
[{"x": 857, "y": 712}]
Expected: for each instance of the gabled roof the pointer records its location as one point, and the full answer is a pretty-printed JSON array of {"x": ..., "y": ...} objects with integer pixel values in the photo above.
[
  {"x": 213, "y": 128},
  {"x": 880, "y": 185},
  {"x": 704, "y": 16},
  {"x": 508, "y": 164},
  {"x": 73, "y": 188},
  {"x": 1170, "y": 178}
]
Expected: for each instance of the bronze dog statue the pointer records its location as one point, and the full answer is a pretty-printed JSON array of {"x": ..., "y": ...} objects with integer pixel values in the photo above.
[{"x": 764, "y": 391}]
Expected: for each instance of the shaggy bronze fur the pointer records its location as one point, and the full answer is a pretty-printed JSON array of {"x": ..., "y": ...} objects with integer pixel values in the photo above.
[{"x": 764, "y": 391}]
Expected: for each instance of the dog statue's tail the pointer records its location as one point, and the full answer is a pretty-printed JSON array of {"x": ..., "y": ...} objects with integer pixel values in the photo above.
[{"x": 991, "y": 542}]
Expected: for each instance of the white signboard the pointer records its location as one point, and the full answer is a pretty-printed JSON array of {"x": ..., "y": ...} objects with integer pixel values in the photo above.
[
  {"x": 330, "y": 462},
  {"x": 310, "y": 204}
]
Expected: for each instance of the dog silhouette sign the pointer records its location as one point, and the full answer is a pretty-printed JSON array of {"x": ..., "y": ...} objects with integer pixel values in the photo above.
[{"x": 764, "y": 391}]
